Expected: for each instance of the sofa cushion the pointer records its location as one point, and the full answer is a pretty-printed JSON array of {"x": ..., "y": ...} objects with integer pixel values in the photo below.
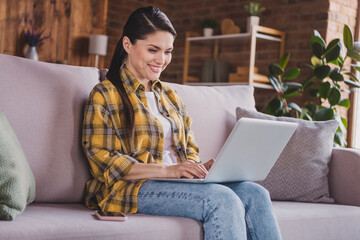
[
  {"x": 300, "y": 173},
  {"x": 212, "y": 112},
  {"x": 44, "y": 104},
  {"x": 17, "y": 183},
  {"x": 75, "y": 221},
  {"x": 299, "y": 221}
]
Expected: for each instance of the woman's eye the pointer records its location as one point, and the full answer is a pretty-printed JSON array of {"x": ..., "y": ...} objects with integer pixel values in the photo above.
[
  {"x": 168, "y": 52},
  {"x": 152, "y": 50}
]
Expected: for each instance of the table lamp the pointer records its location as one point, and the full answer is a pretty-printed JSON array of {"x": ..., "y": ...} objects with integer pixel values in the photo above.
[{"x": 97, "y": 46}]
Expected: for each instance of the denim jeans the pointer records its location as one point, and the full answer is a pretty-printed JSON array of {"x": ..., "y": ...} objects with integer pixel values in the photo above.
[{"x": 240, "y": 210}]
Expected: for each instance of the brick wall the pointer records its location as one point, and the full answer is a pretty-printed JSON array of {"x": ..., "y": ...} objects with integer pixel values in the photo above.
[{"x": 297, "y": 18}]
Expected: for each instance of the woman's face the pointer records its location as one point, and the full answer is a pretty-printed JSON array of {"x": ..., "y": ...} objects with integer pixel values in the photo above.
[{"x": 149, "y": 57}]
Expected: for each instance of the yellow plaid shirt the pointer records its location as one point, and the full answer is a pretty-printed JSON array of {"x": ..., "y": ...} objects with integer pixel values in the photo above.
[{"x": 111, "y": 153}]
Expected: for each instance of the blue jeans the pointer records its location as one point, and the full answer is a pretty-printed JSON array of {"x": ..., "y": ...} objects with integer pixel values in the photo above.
[{"x": 240, "y": 210}]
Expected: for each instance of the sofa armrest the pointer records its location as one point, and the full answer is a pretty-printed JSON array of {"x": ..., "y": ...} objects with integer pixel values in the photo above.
[{"x": 344, "y": 176}]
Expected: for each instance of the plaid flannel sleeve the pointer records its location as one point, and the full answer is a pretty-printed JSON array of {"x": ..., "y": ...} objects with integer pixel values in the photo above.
[
  {"x": 101, "y": 145},
  {"x": 192, "y": 151}
]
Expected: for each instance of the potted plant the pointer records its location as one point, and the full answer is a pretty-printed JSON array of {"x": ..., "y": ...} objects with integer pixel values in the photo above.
[
  {"x": 209, "y": 25},
  {"x": 324, "y": 85},
  {"x": 33, "y": 39},
  {"x": 253, "y": 9}
]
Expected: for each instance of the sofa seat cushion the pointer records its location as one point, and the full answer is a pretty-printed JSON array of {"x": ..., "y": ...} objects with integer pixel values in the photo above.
[
  {"x": 75, "y": 221},
  {"x": 300, "y": 221}
]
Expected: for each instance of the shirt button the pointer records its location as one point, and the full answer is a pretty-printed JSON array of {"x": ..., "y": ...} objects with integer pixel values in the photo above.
[
  {"x": 161, "y": 135},
  {"x": 176, "y": 130}
]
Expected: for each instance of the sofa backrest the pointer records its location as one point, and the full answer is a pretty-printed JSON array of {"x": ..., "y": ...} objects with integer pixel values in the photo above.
[
  {"x": 212, "y": 110},
  {"x": 44, "y": 104}
]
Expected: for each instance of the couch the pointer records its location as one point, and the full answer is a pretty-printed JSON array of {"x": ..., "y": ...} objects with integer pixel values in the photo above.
[{"x": 44, "y": 102}]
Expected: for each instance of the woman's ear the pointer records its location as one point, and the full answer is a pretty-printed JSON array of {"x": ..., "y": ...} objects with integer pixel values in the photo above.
[{"x": 126, "y": 44}]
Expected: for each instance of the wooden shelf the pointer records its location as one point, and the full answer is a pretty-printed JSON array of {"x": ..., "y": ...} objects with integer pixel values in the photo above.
[
  {"x": 209, "y": 84},
  {"x": 257, "y": 33}
]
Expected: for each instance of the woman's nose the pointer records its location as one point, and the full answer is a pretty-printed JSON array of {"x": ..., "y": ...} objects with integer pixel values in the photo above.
[{"x": 160, "y": 58}]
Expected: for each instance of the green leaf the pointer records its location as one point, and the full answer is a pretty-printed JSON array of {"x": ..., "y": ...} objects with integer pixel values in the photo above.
[
  {"x": 335, "y": 75},
  {"x": 348, "y": 38},
  {"x": 341, "y": 61},
  {"x": 317, "y": 38},
  {"x": 353, "y": 54},
  {"x": 324, "y": 114},
  {"x": 352, "y": 76},
  {"x": 322, "y": 72},
  {"x": 344, "y": 122},
  {"x": 275, "y": 69},
  {"x": 274, "y": 106},
  {"x": 284, "y": 60},
  {"x": 352, "y": 83},
  {"x": 275, "y": 83},
  {"x": 305, "y": 114},
  {"x": 334, "y": 96},
  {"x": 292, "y": 73},
  {"x": 324, "y": 90},
  {"x": 311, "y": 106},
  {"x": 332, "y": 52},
  {"x": 295, "y": 107},
  {"x": 292, "y": 92},
  {"x": 308, "y": 84},
  {"x": 317, "y": 49},
  {"x": 293, "y": 84},
  {"x": 356, "y": 67},
  {"x": 344, "y": 103},
  {"x": 314, "y": 92},
  {"x": 316, "y": 61},
  {"x": 339, "y": 139}
]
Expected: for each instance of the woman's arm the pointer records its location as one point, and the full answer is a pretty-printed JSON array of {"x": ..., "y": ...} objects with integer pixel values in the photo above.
[{"x": 186, "y": 170}]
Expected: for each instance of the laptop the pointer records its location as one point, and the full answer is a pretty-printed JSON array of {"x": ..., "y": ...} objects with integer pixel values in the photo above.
[{"x": 249, "y": 152}]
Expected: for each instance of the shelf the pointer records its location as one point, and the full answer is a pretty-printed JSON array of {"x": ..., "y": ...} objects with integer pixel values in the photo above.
[
  {"x": 210, "y": 84},
  {"x": 257, "y": 33},
  {"x": 232, "y": 37}
]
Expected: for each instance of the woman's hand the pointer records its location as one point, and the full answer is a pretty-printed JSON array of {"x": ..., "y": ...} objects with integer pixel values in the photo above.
[
  {"x": 209, "y": 164},
  {"x": 186, "y": 170}
]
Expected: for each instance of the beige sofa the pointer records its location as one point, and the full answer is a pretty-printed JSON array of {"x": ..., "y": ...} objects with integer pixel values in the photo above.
[{"x": 44, "y": 102}]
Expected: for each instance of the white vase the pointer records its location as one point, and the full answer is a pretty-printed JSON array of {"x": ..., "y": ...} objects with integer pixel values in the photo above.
[
  {"x": 251, "y": 21},
  {"x": 32, "y": 54},
  {"x": 208, "y": 32}
]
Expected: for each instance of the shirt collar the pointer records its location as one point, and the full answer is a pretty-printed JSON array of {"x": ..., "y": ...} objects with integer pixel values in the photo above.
[{"x": 131, "y": 84}]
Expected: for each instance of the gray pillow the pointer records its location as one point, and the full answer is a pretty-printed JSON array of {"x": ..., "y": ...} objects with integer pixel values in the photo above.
[
  {"x": 17, "y": 182},
  {"x": 300, "y": 173}
]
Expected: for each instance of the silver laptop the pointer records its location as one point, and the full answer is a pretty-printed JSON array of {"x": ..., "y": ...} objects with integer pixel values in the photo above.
[{"x": 249, "y": 153}]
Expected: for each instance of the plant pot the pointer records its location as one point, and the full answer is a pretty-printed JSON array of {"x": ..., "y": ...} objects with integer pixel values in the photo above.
[
  {"x": 252, "y": 20},
  {"x": 208, "y": 32},
  {"x": 31, "y": 53}
]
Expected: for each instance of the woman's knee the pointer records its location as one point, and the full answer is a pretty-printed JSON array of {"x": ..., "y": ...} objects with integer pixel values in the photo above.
[
  {"x": 250, "y": 191},
  {"x": 222, "y": 198}
]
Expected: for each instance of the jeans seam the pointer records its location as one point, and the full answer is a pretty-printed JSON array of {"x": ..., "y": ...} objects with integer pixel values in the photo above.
[
  {"x": 250, "y": 227},
  {"x": 217, "y": 233}
]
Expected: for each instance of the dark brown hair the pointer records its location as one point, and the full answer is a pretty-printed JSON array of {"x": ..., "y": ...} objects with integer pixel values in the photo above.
[{"x": 141, "y": 22}]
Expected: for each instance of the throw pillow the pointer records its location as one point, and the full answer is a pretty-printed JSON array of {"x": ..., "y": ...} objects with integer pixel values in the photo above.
[
  {"x": 300, "y": 173},
  {"x": 17, "y": 183}
]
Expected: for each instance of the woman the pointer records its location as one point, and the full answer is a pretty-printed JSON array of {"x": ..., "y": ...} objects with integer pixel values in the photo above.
[{"x": 136, "y": 128}]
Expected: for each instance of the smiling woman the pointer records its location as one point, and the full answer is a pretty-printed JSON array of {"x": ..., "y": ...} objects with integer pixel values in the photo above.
[
  {"x": 149, "y": 57},
  {"x": 136, "y": 128}
]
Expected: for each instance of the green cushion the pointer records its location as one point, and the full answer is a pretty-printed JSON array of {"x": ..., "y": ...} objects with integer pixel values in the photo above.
[{"x": 17, "y": 182}]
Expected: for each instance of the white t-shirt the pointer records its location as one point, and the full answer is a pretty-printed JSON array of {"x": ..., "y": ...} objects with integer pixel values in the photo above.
[{"x": 169, "y": 155}]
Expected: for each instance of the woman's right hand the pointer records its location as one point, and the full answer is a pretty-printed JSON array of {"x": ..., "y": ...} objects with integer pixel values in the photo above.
[{"x": 186, "y": 170}]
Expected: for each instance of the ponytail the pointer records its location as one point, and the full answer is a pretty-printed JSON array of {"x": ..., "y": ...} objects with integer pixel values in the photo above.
[
  {"x": 141, "y": 22},
  {"x": 114, "y": 77}
]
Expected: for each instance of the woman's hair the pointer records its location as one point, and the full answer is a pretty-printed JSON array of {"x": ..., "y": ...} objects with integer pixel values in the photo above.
[{"x": 141, "y": 22}]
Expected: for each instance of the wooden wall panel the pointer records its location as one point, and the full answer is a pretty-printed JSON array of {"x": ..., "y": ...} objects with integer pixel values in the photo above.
[{"x": 68, "y": 23}]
